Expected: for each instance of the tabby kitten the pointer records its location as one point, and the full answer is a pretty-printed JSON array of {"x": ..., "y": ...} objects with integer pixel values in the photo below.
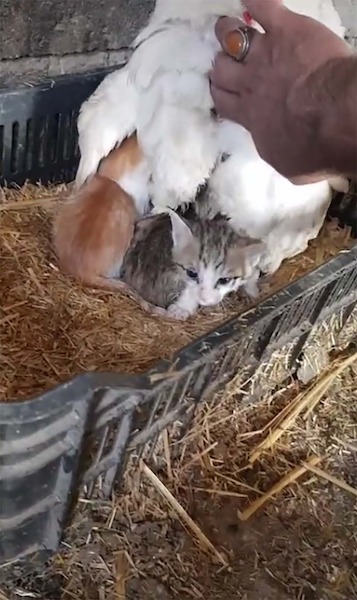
[{"x": 182, "y": 264}]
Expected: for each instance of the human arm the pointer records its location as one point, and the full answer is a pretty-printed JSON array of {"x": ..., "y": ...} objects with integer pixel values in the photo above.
[
  {"x": 327, "y": 101},
  {"x": 295, "y": 92}
]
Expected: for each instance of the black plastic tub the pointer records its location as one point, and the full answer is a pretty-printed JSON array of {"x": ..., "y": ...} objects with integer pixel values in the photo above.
[{"x": 54, "y": 445}]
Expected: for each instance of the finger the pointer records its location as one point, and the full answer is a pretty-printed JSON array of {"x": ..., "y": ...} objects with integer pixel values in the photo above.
[
  {"x": 306, "y": 179},
  {"x": 229, "y": 75},
  {"x": 267, "y": 13},
  {"x": 230, "y": 38},
  {"x": 225, "y": 26},
  {"x": 229, "y": 106}
]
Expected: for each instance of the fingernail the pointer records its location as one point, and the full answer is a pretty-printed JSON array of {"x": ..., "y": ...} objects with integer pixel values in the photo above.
[{"x": 247, "y": 17}]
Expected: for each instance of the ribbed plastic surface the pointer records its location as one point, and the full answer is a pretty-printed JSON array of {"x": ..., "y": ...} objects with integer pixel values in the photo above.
[{"x": 38, "y": 129}]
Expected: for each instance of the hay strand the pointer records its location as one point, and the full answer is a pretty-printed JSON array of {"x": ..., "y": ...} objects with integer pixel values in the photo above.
[
  {"x": 288, "y": 479},
  {"x": 215, "y": 492},
  {"x": 167, "y": 455},
  {"x": 204, "y": 542},
  {"x": 121, "y": 575},
  {"x": 198, "y": 456},
  {"x": 306, "y": 401},
  {"x": 332, "y": 479},
  {"x": 327, "y": 380},
  {"x": 35, "y": 203},
  {"x": 345, "y": 444},
  {"x": 296, "y": 407}
]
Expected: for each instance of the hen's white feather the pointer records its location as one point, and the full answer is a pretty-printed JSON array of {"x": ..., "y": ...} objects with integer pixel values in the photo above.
[
  {"x": 163, "y": 93},
  {"x": 261, "y": 203},
  {"x": 169, "y": 69},
  {"x": 105, "y": 120},
  {"x": 194, "y": 12}
]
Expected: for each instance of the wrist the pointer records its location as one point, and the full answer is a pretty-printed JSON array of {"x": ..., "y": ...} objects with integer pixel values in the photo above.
[
  {"x": 334, "y": 85},
  {"x": 325, "y": 103}
]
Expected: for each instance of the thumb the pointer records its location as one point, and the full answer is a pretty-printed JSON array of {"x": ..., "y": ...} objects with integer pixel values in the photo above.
[{"x": 265, "y": 12}]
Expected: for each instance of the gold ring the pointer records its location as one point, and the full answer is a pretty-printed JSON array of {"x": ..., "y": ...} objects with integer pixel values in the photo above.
[{"x": 237, "y": 43}]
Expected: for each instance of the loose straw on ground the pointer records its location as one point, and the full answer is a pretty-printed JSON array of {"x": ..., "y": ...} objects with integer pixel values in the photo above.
[
  {"x": 288, "y": 479},
  {"x": 328, "y": 379},
  {"x": 181, "y": 512},
  {"x": 331, "y": 478},
  {"x": 305, "y": 401},
  {"x": 198, "y": 456},
  {"x": 122, "y": 574},
  {"x": 167, "y": 455},
  {"x": 218, "y": 492}
]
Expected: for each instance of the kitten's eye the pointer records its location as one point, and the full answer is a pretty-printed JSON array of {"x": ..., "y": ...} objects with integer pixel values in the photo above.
[
  {"x": 225, "y": 280},
  {"x": 192, "y": 274}
]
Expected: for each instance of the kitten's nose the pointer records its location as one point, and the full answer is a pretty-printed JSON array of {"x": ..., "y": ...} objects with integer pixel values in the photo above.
[
  {"x": 206, "y": 299},
  {"x": 205, "y": 303}
]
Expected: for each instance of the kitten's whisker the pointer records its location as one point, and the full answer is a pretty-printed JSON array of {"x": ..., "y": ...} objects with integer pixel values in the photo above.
[{"x": 221, "y": 305}]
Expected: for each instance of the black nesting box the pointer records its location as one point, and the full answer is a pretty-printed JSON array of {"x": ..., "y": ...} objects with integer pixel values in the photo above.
[{"x": 53, "y": 445}]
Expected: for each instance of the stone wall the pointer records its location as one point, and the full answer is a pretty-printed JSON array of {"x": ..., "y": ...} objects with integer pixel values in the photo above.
[{"x": 49, "y": 37}]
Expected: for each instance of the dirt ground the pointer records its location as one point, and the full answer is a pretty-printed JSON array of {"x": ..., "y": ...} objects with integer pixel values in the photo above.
[{"x": 301, "y": 545}]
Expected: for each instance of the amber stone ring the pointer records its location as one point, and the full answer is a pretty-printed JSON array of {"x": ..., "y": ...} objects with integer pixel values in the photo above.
[{"x": 237, "y": 43}]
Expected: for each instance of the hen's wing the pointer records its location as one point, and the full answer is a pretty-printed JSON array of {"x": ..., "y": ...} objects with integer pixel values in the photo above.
[
  {"x": 174, "y": 125},
  {"x": 105, "y": 120}
]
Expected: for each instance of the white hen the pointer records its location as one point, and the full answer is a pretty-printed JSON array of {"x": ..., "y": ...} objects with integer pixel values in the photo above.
[
  {"x": 261, "y": 203},
  {"x": 258, "y": 200},
  {"x": 163, "y": 93}
]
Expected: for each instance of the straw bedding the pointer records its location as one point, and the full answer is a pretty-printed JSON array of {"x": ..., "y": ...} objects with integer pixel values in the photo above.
[
  {"x": 327, "y": 337},
  {"x": 52, "y": 328},
  {"x": 299, "y": 545}
]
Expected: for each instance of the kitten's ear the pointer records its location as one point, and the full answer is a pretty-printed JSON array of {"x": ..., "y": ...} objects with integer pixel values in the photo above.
[
  {"x": 143, "y": 225},
  {"x": 181, "y": 233},
  {"x": 254, "y": 252},
  {"x": 246, "y": 252}
]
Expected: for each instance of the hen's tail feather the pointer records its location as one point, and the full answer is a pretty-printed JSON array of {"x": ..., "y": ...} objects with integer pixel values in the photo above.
[{"x": 105, "y": 119}]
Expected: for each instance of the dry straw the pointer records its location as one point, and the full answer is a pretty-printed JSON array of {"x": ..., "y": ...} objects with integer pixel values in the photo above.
[
  {"x": 178, "y": 509},
  {"x": 306, "y": 401},
  {"x": 54, "y": 328},
  {"x": 109, "y": 554},
  {"x": 331, "y": 478},
  {"x": 287, "y": 480}
]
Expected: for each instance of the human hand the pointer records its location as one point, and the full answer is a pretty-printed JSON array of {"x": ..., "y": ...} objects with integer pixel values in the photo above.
[{"x": 277, "y": 91}]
